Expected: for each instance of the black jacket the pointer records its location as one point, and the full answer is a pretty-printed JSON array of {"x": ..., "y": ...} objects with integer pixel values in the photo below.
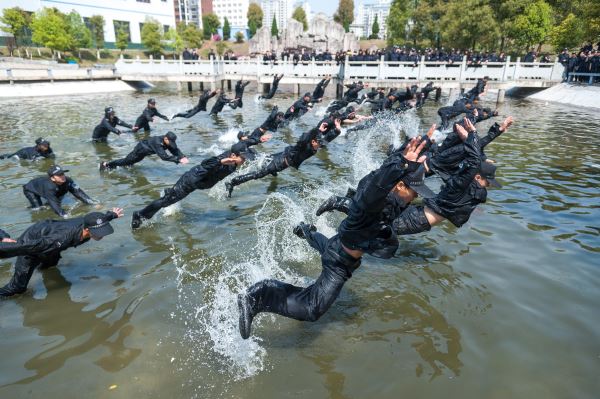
[
  {"x": 222, "y": 100},
  {"x": 156, "y": 145},
  {"x": 211, "y": 171},
  {"x": 239, "y": 88},
  {"x": 319, "y": 91},
  {"x": 271, "y": 123},
  {"x": 461, "y": 194},
  {"x": 302, "y": 150},
  {"x": 146, "y": 117},
  {"x": 30, "y": 153},
  {"x": 203, "y": 100},
  {"x": 106, "y": 126},
  {"x": 54, "y": 193},
  {"x": 352, "y": 93},
  {"x": 299, "y": 108}
]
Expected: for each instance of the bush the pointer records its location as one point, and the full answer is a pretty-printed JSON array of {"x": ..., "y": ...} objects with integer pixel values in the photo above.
[
  {"x": 87, "y": 55},
  {"x": 105, "y": 54}
]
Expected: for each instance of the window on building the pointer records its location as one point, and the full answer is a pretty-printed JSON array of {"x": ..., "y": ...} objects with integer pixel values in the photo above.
[
  {"x": 122, "y": 25},
  {"x": 143, "y": 1},
  {"x": 141, "y": 27},
  {"x": 165, "y": 28}
]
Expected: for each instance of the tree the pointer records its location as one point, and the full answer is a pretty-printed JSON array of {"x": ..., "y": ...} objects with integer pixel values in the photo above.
[
  {"x": 397, "y": 21},
  {"x": 568, "y": 34},
  {"x": 300, "y": 16},
  {"x": 533, "y": 26},
  {"x": 375, "y": 29},
  {"x": 122, "y": 41},
  {"x": 176, "y": 40},
  {"x": 345, "y": 14},
  {"x": 255, "y": 18},
  {"x": 191, "y": 35},
  {"x": 469, "y": 23},
  {"x": 226, "y": 29},
  {"x": 221, "y": 48},
  {"x": 274, "y": 29},
  {"x": 426, "y": 23},
  {"x": 16, "y": 22},
  {"x": 49, "y": 29},
  {"x": 210, "y": 24},
  {"x": 152, "y": 36},
  {"x": 97, "y": 28},
  {"x": 82, "y": 37},
  {"x": 239, "y": 37}
]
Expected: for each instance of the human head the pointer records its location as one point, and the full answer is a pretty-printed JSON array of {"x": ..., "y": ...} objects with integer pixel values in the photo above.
[
  {"x": 109, "y": 112},
  {"x": 42, "y": 144},
  {"x": 97, "y": 225},
  {"x": 413, "y": 185},
  {"x": 487, "y": 176},
  {"x": 169, "y": 138},
  {"x": 151, "y": 103},
  {"x": 57, "y": 174},
  {"x": 306, "y": 97},
  {"x": 240, "y": 153}
]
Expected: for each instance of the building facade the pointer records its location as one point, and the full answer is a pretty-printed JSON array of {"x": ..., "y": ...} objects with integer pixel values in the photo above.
[
  {"x": 235, "y": 11},
  {"x": 365, "y": 16},
  {"x": 126, "y": 14},
  {"x": 188, "y": 12},
  {"x": 280, "y": 9}
]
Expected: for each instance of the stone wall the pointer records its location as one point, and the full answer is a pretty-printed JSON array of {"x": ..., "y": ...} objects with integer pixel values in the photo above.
[{"x": 322, "y": 35}]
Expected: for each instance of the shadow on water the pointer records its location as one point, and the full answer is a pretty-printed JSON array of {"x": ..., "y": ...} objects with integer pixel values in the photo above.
[{"x": 50, "y": 315}]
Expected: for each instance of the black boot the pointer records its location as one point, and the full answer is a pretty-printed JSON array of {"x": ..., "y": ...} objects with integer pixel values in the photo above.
[
  {"x": 303, "y": 229},
  {"x": 136, "y": 220},
  {"x": 229, "y": 188},
  {"x": 334, "y": 202},
  {"x": 246, "y": 314}
]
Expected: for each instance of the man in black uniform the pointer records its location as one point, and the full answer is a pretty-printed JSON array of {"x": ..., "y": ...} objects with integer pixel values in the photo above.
[
  {"x": 143, "y": 121},
  {"x": 53, "y": 188},
  {"x": 424, "y": 94},
  {"x": 108, "y": 124},
  {"x": 158, "y": 145},
  {"x": 299, "y": 108},
  {"x": 239, "y": 92},
  {"x": 273, "y": 89},
  {"x": 200, "y": 177},
  {"x": 448, "y": 113},
  {"x": 40, "y": 150},
  {"x": 460, "y": 194},
  {"x": 47, "y": 239},
  {"x": 319, "y": 92},
  {"x": 221, "y": 102},
  {"x": 361, "y": 232},
  {"x": 201, "y": 106},
  {"x": 293, "y": 155}
]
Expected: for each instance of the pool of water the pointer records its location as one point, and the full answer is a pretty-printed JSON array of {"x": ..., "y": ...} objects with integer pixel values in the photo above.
[{"x": 505, "y": 307}]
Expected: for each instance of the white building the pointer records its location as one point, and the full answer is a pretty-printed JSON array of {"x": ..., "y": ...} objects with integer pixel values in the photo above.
[
  {"x": 281, "y": 9},
  {"x": 236, "y": 12},
  {"x": 365, "y": 16},
  {"x": 129, "y": 14},
  {"x": 188, "y": 12}
]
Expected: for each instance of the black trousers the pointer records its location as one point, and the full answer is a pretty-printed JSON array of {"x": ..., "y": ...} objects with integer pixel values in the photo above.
[
  {"x": 309, "y": 303},
  {"x": 24, "y": 267},
  {"x": 188, "y": 114},
  {"x": 34, "y": 199},
  {"x": 277, "y": 164},
  {"x": 411, "y": 221},
  {"x": 132, "y": 158},
  {"x": 184, "y": 186}
]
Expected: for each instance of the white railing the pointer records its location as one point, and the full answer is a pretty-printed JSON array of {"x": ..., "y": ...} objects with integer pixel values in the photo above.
[
  {"x": 37, "y": 74},
  {"x": 349, "y": 70}
]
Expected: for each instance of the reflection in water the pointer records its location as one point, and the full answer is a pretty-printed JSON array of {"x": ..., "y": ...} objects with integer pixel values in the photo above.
[{"x": 53, "y": 314}]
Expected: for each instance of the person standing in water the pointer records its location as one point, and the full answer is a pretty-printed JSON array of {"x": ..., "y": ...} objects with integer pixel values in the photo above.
[{"x": 147, "y": 116}]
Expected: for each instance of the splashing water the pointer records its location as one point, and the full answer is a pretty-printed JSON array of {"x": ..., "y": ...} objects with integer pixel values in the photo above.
[{"x": 228, "y": 138}]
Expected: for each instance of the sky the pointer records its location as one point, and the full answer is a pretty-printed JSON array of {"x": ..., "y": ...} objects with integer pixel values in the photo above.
[{"x": 326, "y": 6}]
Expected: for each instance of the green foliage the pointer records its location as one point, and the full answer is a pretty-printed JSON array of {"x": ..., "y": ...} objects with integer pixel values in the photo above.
[
  {"x": 397, "y": 21},
  {"x": 82, "y": 37},
  {"x": 590, "y": 13},
  {"x": 274, "y": 29},
  {"x": 50, "y": 30},
  {"x": 152, "y": 36},
  {"x": 300, "y": 16},
  {"x": 191, "y": 35},
  {"x": 122, "y": 39},
  {"x": 226, "y": 29},
  {"x": 426, "y": 28},
  {"x": 210, "y": 24},
  {"x": 97, "y": 28},
  {"x": 255, "y": 18},
  {"x": 568, "y": 34},
  {"x": 221, "y": 46},
  {"x": 16, "y": 22},
  {"x": 239, "y": 37},
  {"x": 533, "y": 25},
  {"x": 345, "y": 14},
  {"x": 375, "y": 29},
  {"x": 470, "y": 24},
  {"x": 176, "y": 40}
]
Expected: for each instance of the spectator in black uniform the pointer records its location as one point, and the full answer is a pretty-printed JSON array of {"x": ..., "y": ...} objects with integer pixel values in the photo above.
[
  {"x": 40, "y": 150},
  {"x": 201, "y": 106},
  {"x": 147, "y": 116},
  {"x": 158, "y": 145},
  {"x": 53, "y": 188},
  {"x": 44, "y": 241},
  {"x": 200, "y": 177},
  {"x": 108, "y": 124}
]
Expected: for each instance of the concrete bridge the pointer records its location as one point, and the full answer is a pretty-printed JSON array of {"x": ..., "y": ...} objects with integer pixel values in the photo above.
[{"x": 378, "y": 73}]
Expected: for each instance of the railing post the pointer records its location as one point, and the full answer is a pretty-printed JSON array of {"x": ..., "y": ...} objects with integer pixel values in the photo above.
[
  {"x": 463, "y": 69},
  {"x": 345, "y": 70},
  {"x": 505, "y": 71},
  {"x": 89, "y": 73},
  {"x": 312, "y": 66},
  {"x": 381, "y": 66},
  {"x": 50, "y": 75},
  {"x": 421, "y": 66}
]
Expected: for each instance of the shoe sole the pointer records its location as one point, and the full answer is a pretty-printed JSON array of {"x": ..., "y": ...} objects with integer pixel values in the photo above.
[{"x": 243, "y": 317}]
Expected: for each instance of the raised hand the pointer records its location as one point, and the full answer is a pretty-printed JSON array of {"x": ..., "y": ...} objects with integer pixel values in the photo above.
[
  {"x": 338, "y": 124},
  {"x": 462, "y": 133},
  {"x": 414, "y": 149},
  {"x": 8, "y": 240},
  {"x": 184, "y": 160},
  {"x": 266, "y": 137},
  {"x": 506, "y": 123},
  {"x": 469, "y": 125},
  {"x": 431, "y": 130},
  {"x": 323, "y": 127},
  {"x": 119, "y": 212}
]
